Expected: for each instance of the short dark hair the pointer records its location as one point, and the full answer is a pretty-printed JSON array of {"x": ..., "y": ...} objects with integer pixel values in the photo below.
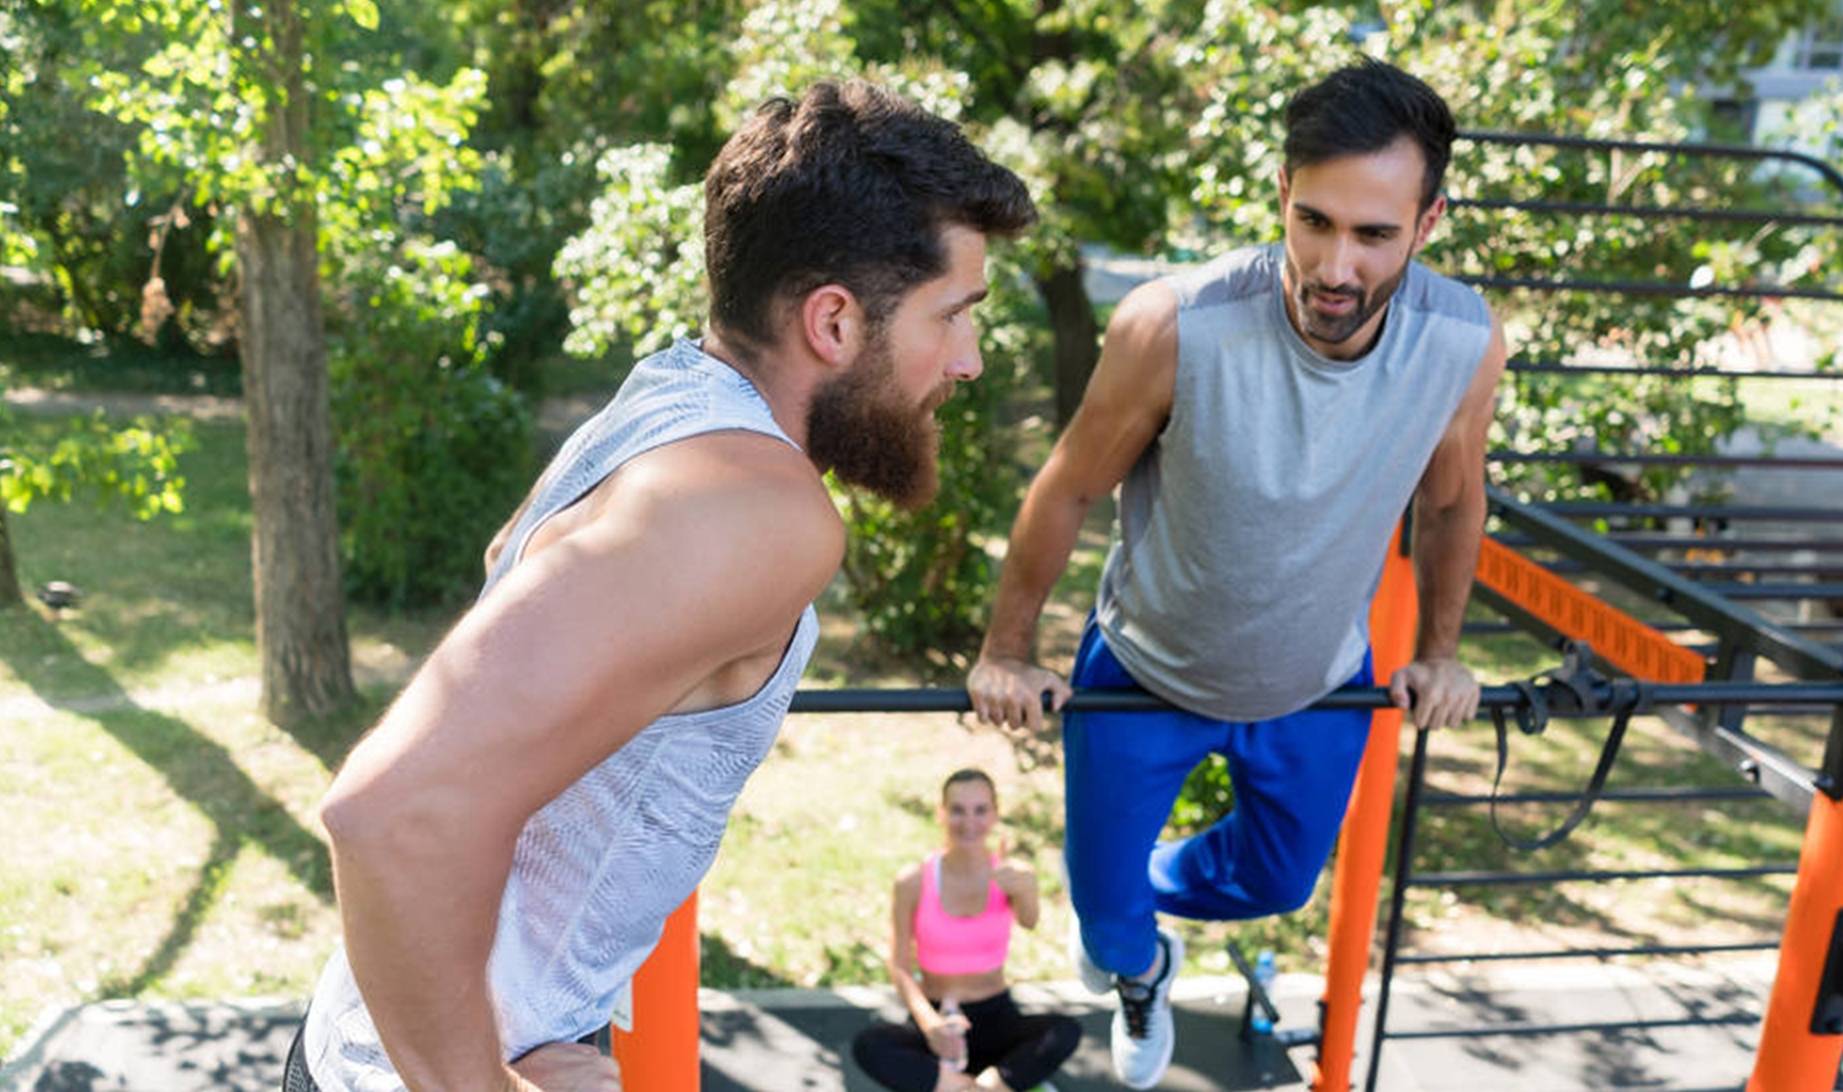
[
  {"x": 850, "y": 185},
  {"x": 1363, "y": 108},
  {"x": 969, "y": 773}
]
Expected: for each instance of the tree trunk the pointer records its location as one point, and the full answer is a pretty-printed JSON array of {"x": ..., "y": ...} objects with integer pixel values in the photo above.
[
  {"x": 300, "y": 603},
  {"x": 10, "y": 595},
  {"x": 1077, "y": 335}
]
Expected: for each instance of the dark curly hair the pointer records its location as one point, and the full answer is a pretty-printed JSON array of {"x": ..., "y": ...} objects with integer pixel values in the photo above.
[{"x": 850, "y": 185}]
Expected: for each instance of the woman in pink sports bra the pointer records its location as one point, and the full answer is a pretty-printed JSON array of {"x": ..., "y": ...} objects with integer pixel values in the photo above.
[{"x": 952, "y": 917}]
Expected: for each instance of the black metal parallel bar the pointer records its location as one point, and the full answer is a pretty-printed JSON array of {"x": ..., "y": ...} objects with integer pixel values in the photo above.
[
  {"x": 1655, "y": 540},
  {"x": 1541, "y": 367},
  {"x": 1653, "y": 795},
  {"x": 1481, "y": 878},
  {"x": 1758, "y": 762},
  {"x": 1489, "y": 1031},
  {"x": 1404, "y": 876},
  {"x": 953, "y": 700},
  {"x": 1790, "y": 513},
  {"x": 1654, "y": 212},
  {"x": 1486, "y": 628},
  {"x": 1650, "y": 288},
  {"x": 1727, "y": 619},
  {"x": 1597, "y": 458},
  {"x": 1591, "y": 953},
  {"x": 1713, "y": 151},
  {"x": 1743, "y": 590},
  {"x": 1722, "y": 568}
]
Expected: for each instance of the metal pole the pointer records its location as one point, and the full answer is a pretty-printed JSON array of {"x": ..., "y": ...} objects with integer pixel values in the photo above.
[{"x": 1404, "y": 858}]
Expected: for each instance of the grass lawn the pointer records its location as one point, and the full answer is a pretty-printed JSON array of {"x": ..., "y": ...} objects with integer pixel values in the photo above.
[{"x": 161, "y": 840}]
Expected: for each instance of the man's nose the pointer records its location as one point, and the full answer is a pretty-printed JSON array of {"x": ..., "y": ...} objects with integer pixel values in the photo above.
[
  {"x": 966, "y": 364},
  {"x": 1340, "y": 268}
]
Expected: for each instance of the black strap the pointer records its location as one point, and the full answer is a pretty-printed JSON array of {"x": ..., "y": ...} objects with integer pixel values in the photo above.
[{"x": 1532, "y": 718}]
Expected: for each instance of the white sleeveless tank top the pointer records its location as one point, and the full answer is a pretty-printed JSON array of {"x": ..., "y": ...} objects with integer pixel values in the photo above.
[{"x": 597, "y": 870}]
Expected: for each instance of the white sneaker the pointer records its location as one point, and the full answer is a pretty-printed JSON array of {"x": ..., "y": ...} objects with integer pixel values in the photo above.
[
  {"x": 1095, "y": 979},
  {"x": 1143, "y": 1034}
]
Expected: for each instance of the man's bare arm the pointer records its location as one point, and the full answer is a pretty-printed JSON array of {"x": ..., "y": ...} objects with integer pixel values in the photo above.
[
  {"x": 1449, "y": 521},
  {"x": 1125, "y": 406},
  {"x": 580, "y": 646},
  {"x": 504, "y": 534}
]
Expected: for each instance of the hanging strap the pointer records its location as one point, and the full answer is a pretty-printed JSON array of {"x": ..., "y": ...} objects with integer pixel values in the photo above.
[{"x": 1579, "y": 689}]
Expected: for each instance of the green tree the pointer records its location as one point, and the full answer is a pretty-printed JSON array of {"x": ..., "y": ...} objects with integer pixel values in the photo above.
[{"x": 136, "y": 464}]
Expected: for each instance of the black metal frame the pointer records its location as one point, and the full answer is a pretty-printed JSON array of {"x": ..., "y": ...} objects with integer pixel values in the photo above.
[{"x": 1742, "y": 637}]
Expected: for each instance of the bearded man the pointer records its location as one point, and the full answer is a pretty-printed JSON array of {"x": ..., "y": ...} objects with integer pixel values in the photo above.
[{"x": 508, "y": 841}]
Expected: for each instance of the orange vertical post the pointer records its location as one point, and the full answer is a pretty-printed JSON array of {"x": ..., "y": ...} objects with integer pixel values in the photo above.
[
  {"x": 1364, "y": 843},
  {"x": 1794, "y": 1056},
  {"x": 660, "y": 1054}
]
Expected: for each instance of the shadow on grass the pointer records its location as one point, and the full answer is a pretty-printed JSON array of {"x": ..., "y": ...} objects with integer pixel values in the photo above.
[
  {"x": 200, "y": 771},
  {"x": 721, "y": 967}
]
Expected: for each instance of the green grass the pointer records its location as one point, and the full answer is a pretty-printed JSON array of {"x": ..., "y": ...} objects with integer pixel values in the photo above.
[
  {"x": 161, "y": 840},
  {"x": 57, "y": 363}
]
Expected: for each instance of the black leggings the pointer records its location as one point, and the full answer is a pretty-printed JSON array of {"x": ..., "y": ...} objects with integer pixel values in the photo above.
[{"x": 1025, "y": 1050}]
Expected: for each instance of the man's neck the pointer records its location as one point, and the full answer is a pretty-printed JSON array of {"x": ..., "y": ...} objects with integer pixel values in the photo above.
[{"x": 783, "y": 384}]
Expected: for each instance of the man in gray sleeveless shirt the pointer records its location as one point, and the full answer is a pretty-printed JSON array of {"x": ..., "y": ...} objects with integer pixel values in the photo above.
[
  {"x": 1268, "y": 417},
  {"x": 509, "y": 840}
]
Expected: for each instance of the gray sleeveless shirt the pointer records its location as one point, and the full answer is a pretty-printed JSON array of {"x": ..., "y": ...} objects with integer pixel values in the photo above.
[
  {"x": 597, "y": 870},
  {"x": 1253, "y": 529}
]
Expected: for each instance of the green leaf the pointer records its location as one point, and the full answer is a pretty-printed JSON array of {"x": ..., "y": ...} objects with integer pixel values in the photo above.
[{"x": 363, "y": 12}]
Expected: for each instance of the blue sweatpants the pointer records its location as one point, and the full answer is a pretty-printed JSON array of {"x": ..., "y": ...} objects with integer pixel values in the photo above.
[{"x": 1292, "y": 778}]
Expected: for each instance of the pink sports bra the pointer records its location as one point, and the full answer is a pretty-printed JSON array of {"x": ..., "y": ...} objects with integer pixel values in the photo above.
[{"x": 950, "y": 944}]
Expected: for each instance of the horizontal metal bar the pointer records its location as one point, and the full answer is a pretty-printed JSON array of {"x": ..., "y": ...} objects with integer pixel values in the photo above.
[
  {"x": 1649, "y": 288},
  {"x": 1488, "y": 1031},
  {"x": 1550, "y": 368},
  {"x": 954, "y": 700},
  {"x": 1786, "y": 513},
  {"x": 1652, "y": 212},
  {"x": 1590, "y": 953},
  {"x": 1739, "y": 589},
  {"x": 1756, "y": 761},
  {"x": 1709, "y": 151},
  {"x": 1654, "y": 795},
  {"x": 1658, "y": 540},
  {"x": 1488, "y": 628},
  {"x": 1525, "y": 879},
  {"x": 1781, "y": 462},
  {"x": 1720, "y": 568}
]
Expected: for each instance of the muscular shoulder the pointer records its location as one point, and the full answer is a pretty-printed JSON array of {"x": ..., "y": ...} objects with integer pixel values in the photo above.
[
  {"x": 909, "y": 884},
  {"x": 735, "y": 485},
  {"x": 1146, "y": 319}
]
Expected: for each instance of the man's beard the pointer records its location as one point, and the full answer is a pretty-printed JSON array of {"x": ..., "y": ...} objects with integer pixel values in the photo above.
[
  {"x": 1337, "y": 329},
  {"x": 861, "y": 427}
]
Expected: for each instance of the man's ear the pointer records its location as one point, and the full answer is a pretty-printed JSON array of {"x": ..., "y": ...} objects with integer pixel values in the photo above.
[
  {"x": 832, "y": 322},
  {"x": 1286, "y": 187},
  {"x": 1423, "y": 229}
]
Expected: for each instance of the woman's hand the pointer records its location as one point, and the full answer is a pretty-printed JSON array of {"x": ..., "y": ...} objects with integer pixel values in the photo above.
[
  {"x": 947, "y": 1038},
  {"x": 1015, "y": 879}
]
